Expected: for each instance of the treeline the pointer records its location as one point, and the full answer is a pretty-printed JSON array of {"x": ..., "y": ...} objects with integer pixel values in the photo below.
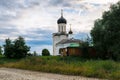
[
  {"x": 15, "y": 49},
  {"x": 106, "y": 34},
  {"x": 18, "y": 49}
]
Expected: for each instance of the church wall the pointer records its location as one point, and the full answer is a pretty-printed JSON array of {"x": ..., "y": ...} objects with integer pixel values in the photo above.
[{"x": 57, "y": 39}]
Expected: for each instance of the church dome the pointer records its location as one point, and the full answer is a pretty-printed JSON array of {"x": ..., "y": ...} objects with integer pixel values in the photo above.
[
  {"x": 70, "y": 32},
  {"x": 61, "y": 20}
]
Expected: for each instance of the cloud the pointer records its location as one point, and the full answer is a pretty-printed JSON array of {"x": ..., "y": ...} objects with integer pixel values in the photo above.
[
  {"x": 62, "y": 3},
  {"x": 38, "y": 35},
  {"x": 36, "y": 20},
  {"x": 9, "y": 4}
]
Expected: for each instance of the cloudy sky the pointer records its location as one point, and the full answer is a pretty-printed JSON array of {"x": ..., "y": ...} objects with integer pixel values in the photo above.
[{"x": 36, "y": 20}]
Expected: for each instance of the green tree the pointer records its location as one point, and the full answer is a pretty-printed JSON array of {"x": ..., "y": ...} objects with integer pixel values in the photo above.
[
  {"x": 1, "y": 50},
  {"x": 20, "y": 48},
  {"x": 16, "y": 49},
  {"x": 106, "y": 33},
  {"x": 8, "y": 48},
  {"x": 35, "y": 53},
  {"x": 84, "y": 47},
  {"x": 45, "y": 52}
]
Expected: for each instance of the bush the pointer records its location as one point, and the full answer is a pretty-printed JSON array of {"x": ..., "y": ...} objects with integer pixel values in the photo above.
[
  {"x": 106, "y": 34},
  {"x": 1, "y": 50},
  {"x": 106, "y": 69},
  {"x": 16, "y": 49},
  {"x": 45, "y": 52}
]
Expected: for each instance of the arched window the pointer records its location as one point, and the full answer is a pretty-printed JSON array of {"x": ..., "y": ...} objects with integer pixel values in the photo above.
[
  {"x": 59, "y": 28},
  {"x": 62, "y": 28}
]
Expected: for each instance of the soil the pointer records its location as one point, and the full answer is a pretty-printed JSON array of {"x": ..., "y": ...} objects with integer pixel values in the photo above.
[{"x": 18, "y": 74}]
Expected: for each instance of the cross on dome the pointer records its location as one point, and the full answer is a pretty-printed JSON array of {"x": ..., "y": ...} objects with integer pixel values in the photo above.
[
  {"x": 61, "y": 12},
  {"x": 62, "y": 19}
]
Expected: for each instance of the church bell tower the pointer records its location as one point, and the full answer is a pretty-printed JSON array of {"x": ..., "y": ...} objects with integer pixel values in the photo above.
[
  {"x": 61, "y": 34},
  {"x": 62, "y": 24}
]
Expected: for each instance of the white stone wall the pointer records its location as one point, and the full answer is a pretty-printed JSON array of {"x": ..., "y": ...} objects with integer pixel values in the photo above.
[
  {"x": 70, "y": 36},
  {"x": 57, "y": 39}
]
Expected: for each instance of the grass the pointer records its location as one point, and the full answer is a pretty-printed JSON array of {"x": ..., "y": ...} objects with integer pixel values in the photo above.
[
  {"x": 67, "y": 65},
  {"x": 4, "y": 60}
]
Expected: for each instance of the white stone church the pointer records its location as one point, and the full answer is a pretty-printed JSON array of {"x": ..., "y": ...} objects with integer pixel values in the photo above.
[{"x": 63, "y": 39}]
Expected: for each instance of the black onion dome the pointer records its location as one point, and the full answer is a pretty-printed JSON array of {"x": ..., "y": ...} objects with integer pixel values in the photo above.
[
  {"x": 61, "y": 20},
  {"x": 70, "y": 32}
]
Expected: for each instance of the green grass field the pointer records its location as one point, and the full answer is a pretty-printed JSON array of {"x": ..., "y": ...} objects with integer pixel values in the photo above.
[{"x": 67, "y": 65}]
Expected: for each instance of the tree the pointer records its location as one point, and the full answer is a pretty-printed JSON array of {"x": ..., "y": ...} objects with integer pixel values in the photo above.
[
  {"x": 8, "y": 48},
  {"x": 98, "y": 34},
  {"x": 20, "y": 48},
  {"x": 45, "y": 52},
  {"x": 34, "y": 53},
  {"x": 84, "y": 47},
  {"x": 16, "y": 49},
  {"x": 106, "y": 33},
  {"x": 1, "y": 50}
]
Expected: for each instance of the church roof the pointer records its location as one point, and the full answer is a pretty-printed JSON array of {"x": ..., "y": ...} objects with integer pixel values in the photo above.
[
  {"x": 59, "y": 34},
  {"x": 72, "y": 40},
  {"x": 70, "y": 32},
  {"x": 61, "y": 20}
]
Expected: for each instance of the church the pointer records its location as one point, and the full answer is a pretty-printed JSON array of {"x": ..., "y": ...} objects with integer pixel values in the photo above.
[{"x": 63, "y": 40}]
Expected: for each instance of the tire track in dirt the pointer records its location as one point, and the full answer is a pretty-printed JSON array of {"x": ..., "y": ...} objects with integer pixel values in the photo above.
[{"x": 18, "y": 74}]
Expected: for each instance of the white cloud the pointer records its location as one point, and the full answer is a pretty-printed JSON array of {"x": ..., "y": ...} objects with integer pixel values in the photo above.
[
  {"x": 36, "y": 19},
  {"x": 100, "y": 1}
]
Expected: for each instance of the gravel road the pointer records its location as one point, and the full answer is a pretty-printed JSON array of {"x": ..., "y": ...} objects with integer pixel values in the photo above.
[{"x": 18, "y": 74}]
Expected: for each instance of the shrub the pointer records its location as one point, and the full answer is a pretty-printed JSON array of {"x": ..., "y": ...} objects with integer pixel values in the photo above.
[
  {"x": 106, "y": 33},
  {"x": 45, "y": 52},
  {"x": 16, "y": 49},
  {"x": 106, "y": 69}
]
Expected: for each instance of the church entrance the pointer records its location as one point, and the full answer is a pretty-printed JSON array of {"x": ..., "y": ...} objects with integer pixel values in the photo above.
[{"x": 63, "y": 51}]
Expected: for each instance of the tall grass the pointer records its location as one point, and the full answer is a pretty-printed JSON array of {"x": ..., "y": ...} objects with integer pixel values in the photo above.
[{"x": 70, "y": 66}]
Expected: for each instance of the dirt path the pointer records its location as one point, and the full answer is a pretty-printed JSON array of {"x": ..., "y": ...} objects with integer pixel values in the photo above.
[{"x": 17, "y": 74}]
